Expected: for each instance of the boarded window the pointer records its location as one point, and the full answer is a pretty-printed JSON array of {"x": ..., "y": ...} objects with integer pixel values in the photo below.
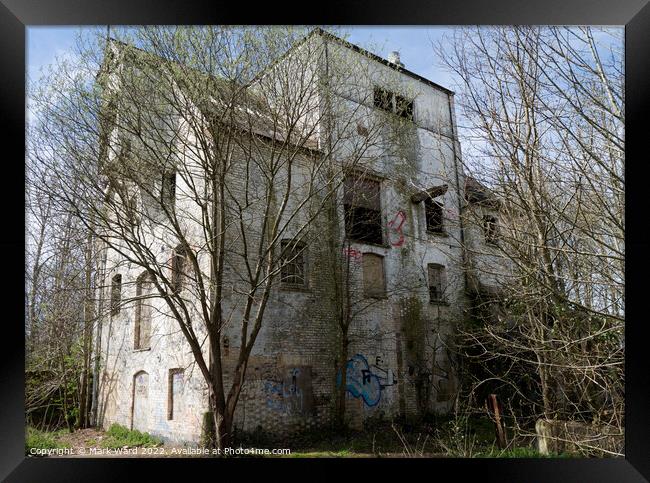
[
  {"x": 293, "y": 266},
  {"x": 116, "y": 294},
  {"x": 436, "y": 282},
  {"x": 374, "y": 284},
  {"x": 362, "y": 206},
  {"x": 174, "y": 393},
  {"x": 490, "y": 229},
  {"x": 179, "y": 267},
  {"x": 143, "y": 291},
  {"x": 434, "y": 216}
]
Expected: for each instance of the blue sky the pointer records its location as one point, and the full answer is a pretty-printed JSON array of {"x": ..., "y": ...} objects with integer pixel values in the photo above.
[{"x": 413, "y": 43}]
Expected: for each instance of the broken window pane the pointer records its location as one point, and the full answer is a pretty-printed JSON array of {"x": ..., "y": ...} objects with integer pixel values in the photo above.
[
  {"x": 403, "y": 107},
  {"x": 434, "y": 216},
  {"x": 373, "y": 275},
  {"x": 490, "y": 229},
  {"x": 361, "y": 203},
  {"x": 383, "y": 99}
]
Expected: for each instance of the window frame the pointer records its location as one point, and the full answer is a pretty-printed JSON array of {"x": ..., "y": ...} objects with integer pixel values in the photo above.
[
  {"x": 178, "y": 275},
  {"x": 298, "y": 249},
  {"x": 170, "y": 390},
  {"x": 139, "y": 343},
  {"x": 391, "y": 102},
  {"x": 372, "y": 217},
  {"x": 442, "y": 283},
  {"x": 116, "y": 294},
  {"x": 428, "y": 203},
  {"x": 382, "y": 292},
  {"x": 491, "y": 229}
]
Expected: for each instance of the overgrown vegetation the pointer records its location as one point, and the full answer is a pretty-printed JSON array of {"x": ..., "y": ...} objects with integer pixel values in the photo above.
[
  {"x": 43, "y": 439},
  {"x": 118, "y": 436}
]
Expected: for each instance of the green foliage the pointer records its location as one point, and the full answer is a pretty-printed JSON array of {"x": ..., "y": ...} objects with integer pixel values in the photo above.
[
  {"x": 42, "y": 440},
  {"x": 118, "y": 436}
]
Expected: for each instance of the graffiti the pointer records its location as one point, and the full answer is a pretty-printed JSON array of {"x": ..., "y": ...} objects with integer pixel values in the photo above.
[
  {"x": 291, "y": 395},
  {"x": 365, "y": 381},
  {"x": 396, "y": 226},
  {"x": 352, "y": 253}
]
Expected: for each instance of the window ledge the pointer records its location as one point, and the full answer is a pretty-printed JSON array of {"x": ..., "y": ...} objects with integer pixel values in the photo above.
[
  {"x": 376, "y": 296},
  {"x": 370, "y": 244},
  {"x": 439, "y": 302},
  {"x": 142, "y": 350},
  {"x": 294, "y": 288}
]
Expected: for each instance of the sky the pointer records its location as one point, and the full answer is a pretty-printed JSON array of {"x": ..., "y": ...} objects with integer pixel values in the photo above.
[{"x": 44, "y": 44}]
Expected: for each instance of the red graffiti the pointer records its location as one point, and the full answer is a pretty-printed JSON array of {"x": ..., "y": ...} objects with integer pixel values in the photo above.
[
  {"x": 397, "y": 227},
  {"x": 352, "y": 253}
]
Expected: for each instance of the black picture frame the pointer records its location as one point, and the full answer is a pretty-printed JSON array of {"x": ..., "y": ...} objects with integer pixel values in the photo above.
[{"x": 16, "y": 15}]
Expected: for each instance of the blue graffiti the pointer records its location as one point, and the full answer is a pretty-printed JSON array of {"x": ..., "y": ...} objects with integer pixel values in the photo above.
[
  {"x": 284, "y": 397},
  {"x": 360, "y": 381}
]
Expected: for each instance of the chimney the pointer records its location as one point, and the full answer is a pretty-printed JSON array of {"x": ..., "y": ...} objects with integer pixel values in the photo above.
[{"x": 393, "y": 58}]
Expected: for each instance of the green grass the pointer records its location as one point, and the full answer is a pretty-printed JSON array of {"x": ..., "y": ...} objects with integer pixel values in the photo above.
[
  {"x": 42, "y": 439},
  {"x": 118, "y": 436},
  {"x": 520, "y": 452}
]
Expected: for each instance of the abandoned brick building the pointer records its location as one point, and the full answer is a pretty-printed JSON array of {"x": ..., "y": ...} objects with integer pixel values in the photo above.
[{"x": 408, "y": 262}]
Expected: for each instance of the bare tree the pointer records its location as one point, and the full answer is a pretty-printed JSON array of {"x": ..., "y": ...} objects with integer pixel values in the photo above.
[
  {"x": 223, "y": 148},
  {"x": 544, "y": 112}
]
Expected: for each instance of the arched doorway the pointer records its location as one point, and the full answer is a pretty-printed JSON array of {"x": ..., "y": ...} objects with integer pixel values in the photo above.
[{"x": 140, "y": 403}]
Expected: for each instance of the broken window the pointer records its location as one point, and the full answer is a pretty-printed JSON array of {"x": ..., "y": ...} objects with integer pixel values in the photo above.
[
  {"x": 179, "y": 267},
  {"x": 434, "y": 215},
  {"x": 168, "y": 189},
  {"x": 374, "y": 284},
  {"x": 490, "y": 229},
  {"x": 292, "y": 264},
  {"x": 174, "y": 392},
  {"x": 390, "y": 102},
  {"x": 383, "y": 99},
  {"x": 403, "y": 107},
  {"x": 361, "y": 203},
  {"x": 436, "y": 282},
  {"x": 116, "y": 294},
  {"x": 143, "y": 290}
]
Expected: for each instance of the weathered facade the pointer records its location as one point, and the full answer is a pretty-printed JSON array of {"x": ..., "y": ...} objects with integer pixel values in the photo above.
[{"x": 407, "y": 284}]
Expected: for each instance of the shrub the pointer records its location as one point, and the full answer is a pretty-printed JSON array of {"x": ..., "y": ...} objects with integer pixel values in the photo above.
[{"x": 118, "y": 436}]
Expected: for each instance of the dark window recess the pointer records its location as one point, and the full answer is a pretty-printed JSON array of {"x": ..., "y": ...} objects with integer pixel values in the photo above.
[
  {"x": 361, "y": 203},
  {"x": 292, "y": 271},
  {"x": 383, "y": 99},
  {"x": 491, "y": 229},
  {"x": 179, "y": 264},
  {"x": 436, "y": 282},
  {"x": 403, "y": 107},
  {"x": 168, "y": 189},
  {"x": 434, "y": 216},
  {"x": 116, "y": 294},
  {"x": 391, "y": 102}
]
